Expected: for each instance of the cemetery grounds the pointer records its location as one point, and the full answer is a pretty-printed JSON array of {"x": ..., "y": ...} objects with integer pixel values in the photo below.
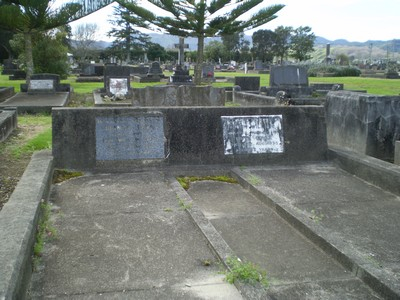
[{"x": 34, "y": 131}]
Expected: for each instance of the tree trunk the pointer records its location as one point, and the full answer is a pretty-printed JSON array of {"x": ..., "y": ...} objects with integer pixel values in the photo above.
[
  {"x": 199, "y": 60},
  {"x": 28, "y": 56}
]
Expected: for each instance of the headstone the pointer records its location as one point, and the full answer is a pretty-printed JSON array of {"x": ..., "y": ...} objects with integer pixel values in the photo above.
[
  {"x": 9, "y": 67},
  {"x": 288, "y": 76},
  {"x": 181, "y": 50},
  {"x": 258, "y": 65},
  {"x": 155, "y": 70},
  {"x": 43, "y": 83},
  {"x": 130, "y": 137},
  {"x": 117, "y": 81},
  {"x": 18, "y": 75},
  {"x": 249, "y": 83},
  {"x": 180, "y": 75},
  {"x": 207, "y": 71},
  {"x": 252, "y": 134}
]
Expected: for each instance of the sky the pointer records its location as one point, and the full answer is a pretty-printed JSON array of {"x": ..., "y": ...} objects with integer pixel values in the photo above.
[{"x": 353, "y": 20}]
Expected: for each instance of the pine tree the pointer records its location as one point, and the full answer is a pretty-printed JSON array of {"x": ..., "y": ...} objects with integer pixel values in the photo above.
[
  {"x": 201, "y": 19},
  {"x": 127, "y": 38}
]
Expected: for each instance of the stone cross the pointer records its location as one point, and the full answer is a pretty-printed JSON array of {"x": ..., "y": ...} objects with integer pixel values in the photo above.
[{"x": 181, "y": 48}]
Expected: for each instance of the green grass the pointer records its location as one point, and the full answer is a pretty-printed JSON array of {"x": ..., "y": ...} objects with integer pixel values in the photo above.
[
  {"x": 39, "y": 119},
  {"x": 45, "y": 232},
  {"x": 372, "y": 85},
  {"x": 40, "y": 142},
  {"x": 186, "y": 180}
]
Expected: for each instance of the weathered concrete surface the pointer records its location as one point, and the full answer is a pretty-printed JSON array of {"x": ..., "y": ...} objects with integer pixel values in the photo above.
[
  {"x": 36, "y": 103},
  {"x": 352, "y": 220},
  {"x": 193, "y": 135},
  {"x": 297, "y": 269},
  {"x": 18, "y": 221},
  {"x": 8, "y": 122},
  {"x": 124, "y": 236},
  {"x": 364, "y": 123}
]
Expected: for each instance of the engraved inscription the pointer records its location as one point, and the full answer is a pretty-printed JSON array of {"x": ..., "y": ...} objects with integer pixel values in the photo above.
[
  {"x": 41, "y": 84},
  {"x": 128, "y": 137},
  {"x": 252, "y": 134},
  {"x": 119, "y": 86}
]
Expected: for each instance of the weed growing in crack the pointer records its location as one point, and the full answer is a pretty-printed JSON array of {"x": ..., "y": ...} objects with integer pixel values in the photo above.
[{"x": 245, "y": 272}]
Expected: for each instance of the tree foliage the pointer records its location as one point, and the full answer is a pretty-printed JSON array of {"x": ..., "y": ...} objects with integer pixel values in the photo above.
[
  {"x": 127, "y": 40},
  {"x": 202, "y": 19},
  {"x": 263, "y": 42},
  {"x": 49, "y": 51},
  {"x": 283, "y": 42},
  {"x": 302, "y": 43},
  {"x": 85, "y": 37},
  {"x": 31, "y": 16}
]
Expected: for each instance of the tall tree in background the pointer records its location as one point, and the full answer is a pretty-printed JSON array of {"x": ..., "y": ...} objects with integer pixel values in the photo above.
[
  {"x": 49, "y": 51},
  {"x": 127, "y": 38},
  {"x": 85, "y": 37},
  {"x": 203, "y": 19},
  {"x": 302, "y": 43},
  {"x": 31, "y": 16},
  {"x": 234, "y": 43},
  {"x": 263, "y": 45},
  {"x": 282, "y": 42}
]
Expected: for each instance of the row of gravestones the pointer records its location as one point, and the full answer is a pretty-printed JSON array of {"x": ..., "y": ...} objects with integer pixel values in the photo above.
[{"x": 117, "y": 79}]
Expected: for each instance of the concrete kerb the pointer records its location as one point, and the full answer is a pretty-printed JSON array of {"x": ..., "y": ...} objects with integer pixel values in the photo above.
[
  {"x": 18, "y": 222},
  {"x": 216, "y": 243},
  {"x": 333, "y": 246},
  {"x": 376, "y": 171}
]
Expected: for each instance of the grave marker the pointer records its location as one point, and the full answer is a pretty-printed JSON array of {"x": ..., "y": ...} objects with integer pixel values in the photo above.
[
  {"x": 181, "y": 50},
  {"x": 130, "y": 137},
  {"x": 252, "y": 134}
]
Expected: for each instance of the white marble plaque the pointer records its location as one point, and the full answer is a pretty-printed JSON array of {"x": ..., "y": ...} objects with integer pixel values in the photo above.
[
  {"x": 41, "y": 84},
  {"x": 252, "y": 134},
  {"x": 119, "y": 86}
]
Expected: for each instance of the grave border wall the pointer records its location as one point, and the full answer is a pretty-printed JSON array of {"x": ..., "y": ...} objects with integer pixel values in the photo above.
[{"x": 192, "y": 136}]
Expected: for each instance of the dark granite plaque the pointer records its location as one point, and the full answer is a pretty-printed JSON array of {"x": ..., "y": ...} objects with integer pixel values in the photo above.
[
  {"x": 129, "y": 137},
  {"x": 252, "y": 134}
]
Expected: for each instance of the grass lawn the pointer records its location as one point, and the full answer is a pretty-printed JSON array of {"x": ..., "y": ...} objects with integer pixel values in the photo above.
[{"x": 372, "y": 85}]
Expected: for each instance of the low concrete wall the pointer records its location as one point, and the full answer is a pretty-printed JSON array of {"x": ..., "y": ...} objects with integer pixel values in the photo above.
[
  {"x": 252, "y": 99},
  {"x": 6, "y": 92},
  {"x": 183, "y": 95},
  {"x": 18, "y": 222},
  {"x": 255, "y": 99},
  {"x": 8, "y": 122},
  {"x": 367, "y": 124},
  {"x": 190, "y": 136},
  {"x": 375, "y": 171},
  {"x": 397, "y": 153}
]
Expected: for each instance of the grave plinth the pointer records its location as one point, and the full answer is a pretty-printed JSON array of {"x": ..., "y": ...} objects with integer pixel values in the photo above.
[{"x": 181, "y": 76}]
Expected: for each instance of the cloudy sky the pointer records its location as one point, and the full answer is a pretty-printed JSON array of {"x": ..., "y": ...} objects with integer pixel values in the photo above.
[{"x": 353, "y": 20}]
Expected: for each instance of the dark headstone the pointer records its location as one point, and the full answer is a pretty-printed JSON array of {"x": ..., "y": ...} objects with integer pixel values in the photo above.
[
  {"x": 250, "y": 83},
  {"x": 207, "y": 71},
  {"x": 43, "y": 83},
  {"x": 18, "y": 75},
  {"x": 130, "y": 137},
  {"x": 181, "y": 75},
  {"x": 117, "y": 80},
  {"x": 155, "y": 70},
  {"x": 291, "y": 76},
  {"x": 258, "y": 65}
]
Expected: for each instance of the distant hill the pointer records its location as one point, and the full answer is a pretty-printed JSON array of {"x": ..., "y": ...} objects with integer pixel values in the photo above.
[{"x": 360, "y": 50}]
